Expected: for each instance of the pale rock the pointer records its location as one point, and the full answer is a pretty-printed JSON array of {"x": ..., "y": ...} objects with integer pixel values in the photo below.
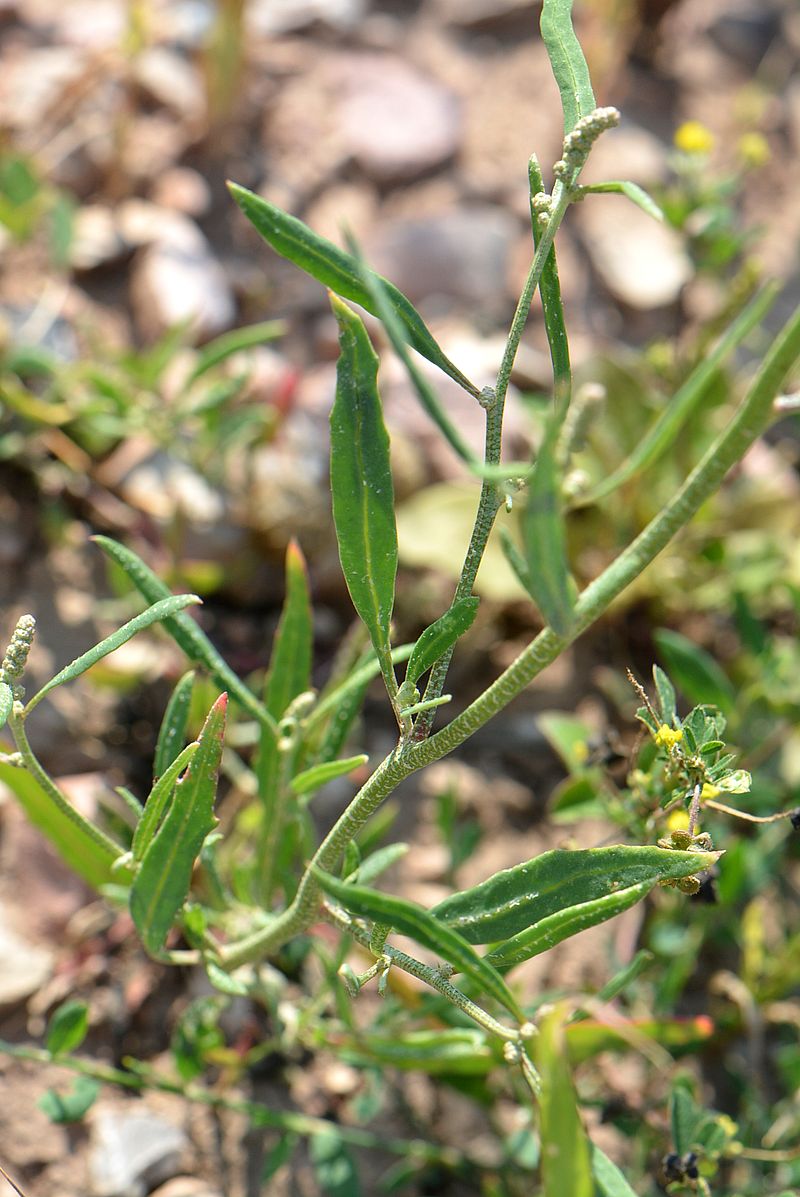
[
  {"x": 264, "y": 18},
  {"x": 395, "y": 122},
  {"x": 170, "y": 79},
  {"x": 96, "y": 239},
  {"x": 182, "y": 190},
  {"x": 32, "y": 84},
  {"x": 176, "y": 278},
  {"x": 153, "y": 142},
  {"x": 643, "y": 263},
  {"x": 186, "y": 1186},
  {"x": 95, "y": 24},
  {"x": 628, "y": 152},
  {"x": 131, "y": 1153},
  {"x": 24, "y": 966},
  {"x": 463, "y": 255},
  {"x": 486, "y": 16}
]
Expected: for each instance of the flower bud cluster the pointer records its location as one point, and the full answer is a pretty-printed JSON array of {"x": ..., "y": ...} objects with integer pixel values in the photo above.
[
  {"x": 17, "y": 652},
  {"x": 580, "y": 140}
]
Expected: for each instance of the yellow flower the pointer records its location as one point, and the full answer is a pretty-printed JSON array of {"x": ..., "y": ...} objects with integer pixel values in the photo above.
[
  {"x": 667, "y": 737},
  {"x": 709, "y": 791},
  {"x": 692, "y": 137},
  {"x": 678, "y": 820},
  {"x": 753, "y": 149}
]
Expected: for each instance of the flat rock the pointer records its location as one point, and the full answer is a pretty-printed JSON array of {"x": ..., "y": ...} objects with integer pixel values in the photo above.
[
  {"x": 395, "y": 122},
  {"x": 463, "y": 255},
  {"x": 266, "y": 17},
  {"x": 132, "y": 1153},
  {"x": 24, "y": 966},
  {"x": 643, "y": 263}
]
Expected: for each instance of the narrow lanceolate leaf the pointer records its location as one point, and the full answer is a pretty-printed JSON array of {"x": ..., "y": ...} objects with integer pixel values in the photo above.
[
  {"x": 435, "y": 640},
  {"x": 549, "y": 931},
  {"x": 410, "y": 919},
  {"x": 608, "y": 1179},
  {"x": 339, "y": 271},
  {"x": 567, "y": 60},
  {"x": 633, "y": 191},
  {"x": 550, "y": 292},
  {"x": 289, "y": 672},
  {"x": 87, "y": 856},
  {"x": 566, "y": 1160},
  {"x": 513, "y": 900},
  {"x": 361, "y": 484},
  {"x": 158, "y": 801},
  {"x": 67, "y": 1028},
  {"x": 163, "y": 881},
  {"x": 544, "y": 536},
  {"x": 697, "y": 673},
  {"x": 185, "y": 632},
  {"x": 317, "y": 776},
  {"x": 6, "y": 702},
  {"x": 172, "y": 733},
  {"x": 162, "y": 610},
  {"x": 221, "y": 348}
]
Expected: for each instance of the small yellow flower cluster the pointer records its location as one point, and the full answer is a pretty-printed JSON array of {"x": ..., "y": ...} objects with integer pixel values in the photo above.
[
  {"x": 668, "y": 737},
  {"x": 692, "y": 137}
]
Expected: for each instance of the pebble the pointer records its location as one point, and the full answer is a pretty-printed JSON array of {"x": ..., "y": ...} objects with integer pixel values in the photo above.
[
  {"x": 643, "y": 263},
  {"x": 395, "y": 122},
  {"x": 132, "y": 1153},
  {"x": 170, "y": 79},
  {"x": 175, "y": 278},
  {"x": 268, "y": 17},
  {"x": 627, "y": 152},
  {"x": 463, "y": 255},
  {"x": 485, "y": 16},
  {"x": 182, "y": 190},
  {"x": 24, "y": 966},
  {"x": 186, "y": 1186},
  {"x": 96, "y": 240},
  {"x": 32, "y": 84}
]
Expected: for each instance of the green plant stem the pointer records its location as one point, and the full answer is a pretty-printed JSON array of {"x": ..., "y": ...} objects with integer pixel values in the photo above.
[
  {"x": 753, "y": 416},
  {"x": 424, "y": 972},
  {"x": 16, "y": 725},
  {"x": 274, "y": 818},
  {"x": 260, "y": 1115},
  {"x": 490, "y": 502}
]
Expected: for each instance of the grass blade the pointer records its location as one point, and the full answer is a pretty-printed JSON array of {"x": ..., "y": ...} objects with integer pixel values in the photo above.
[
  {"x": 185, "y": 632},
  {"x": 544, "y": 534},
  {"x": 172, "y": 733},
  {"x": 157, "y": 800},
  {"x": 317, "y": 776},
  {"x": 340, "y": 272},
  {"x": 633, "y": 191},
  {"x": 221, "y": 348},
  {"x": 161, "y": 610},
  {"x": 566, "y": 1167},
  {"x": 361, "y": 486},
  {"x": 162, "y": 883},
  {"x": 567, "y": 60}
]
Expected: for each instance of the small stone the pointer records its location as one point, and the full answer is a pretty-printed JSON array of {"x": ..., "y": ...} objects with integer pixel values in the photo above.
[
  {"x": 629, "y": 152},
  {"x": 24, "y": 966},
  {"x": 268, "y": 17},
  {"x": 96, "y": 240},
  {"x": 485, "y": 16},
  {"x": 132, "y": 1153},
  {"x": 32, "y": 84},
  {"x": 177, "y": 279},
  {"x": 394, "y": 121},
  {"x": 186, "y": 1186},
  {"x": 643, "y": 263},
  {"x": 182, "y": 190},
  {"x": 171, "y": 80}
]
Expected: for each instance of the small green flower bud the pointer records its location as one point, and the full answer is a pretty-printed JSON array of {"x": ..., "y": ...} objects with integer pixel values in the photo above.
[{"x": 17, "y": 652}]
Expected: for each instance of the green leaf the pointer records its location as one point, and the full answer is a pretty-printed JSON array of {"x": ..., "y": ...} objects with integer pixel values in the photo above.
[
  {"x": 678, "y": 1035},
  {"x": 633, "y": 191},
  {"x": 666, "y": 427},
  {"x": 158, "y": 800},
  {"x": 410, "y": 919},
  {"x": 161, "y": 610},
  {"x": 84, "y": 855},
  {"x": 565, "y": 1158},
  {"x": 6, "y": 702},
  {"x": 361, "y": 485},
  {"x": 318, "y": 775},
  {"x": 516, "y": 898},
  {"x": 666, "y": 696},
  {"x": 72, "y": 1106},
  {"x": 608, "y": 1179},
  {"x": 549, "y": 931},
  {"x": 229, "y": 343},
  {"x": 550, "y": 292},
  {"x": 185, "y": 632},
  {"x": 67, "y": 1027},
  {"x": 279, "y": 1155},
  {"x": 378, "y": 862},
  {"x": 339, "y": 271},
  {"x": 333, "y": 1165},
  {"x": 445, "y": 1050},
  {"x": 172, "y": 733},
  {"x": 162, "y": 883},
  {"x": 437, "y": 639},
  {"x": 696, "y": 672},
  {"x": 568, "y": 735},
  {"x": 685, "y": 1115},
  {"x": 544, "y": 534},
  {"x": 567, "y": 61}
]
